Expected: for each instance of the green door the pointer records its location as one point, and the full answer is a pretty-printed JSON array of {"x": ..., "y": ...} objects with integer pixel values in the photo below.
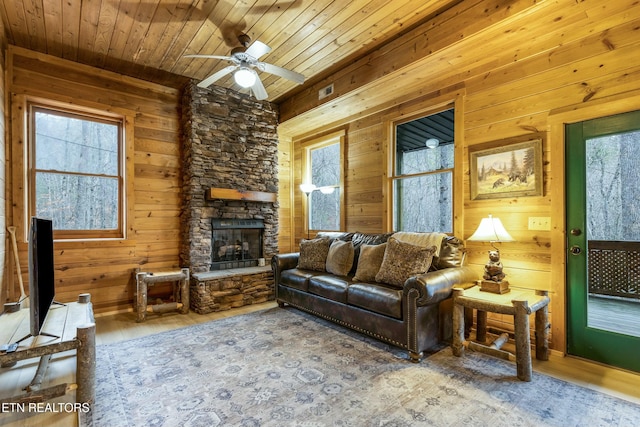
[{"x": 603, "y": 240}]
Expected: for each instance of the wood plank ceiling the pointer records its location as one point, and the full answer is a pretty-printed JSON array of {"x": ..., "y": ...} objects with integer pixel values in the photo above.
[{"x": 148, "y": 39}]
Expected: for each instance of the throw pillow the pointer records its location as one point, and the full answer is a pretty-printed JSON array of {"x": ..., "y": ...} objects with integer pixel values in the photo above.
[
  {"x": 369, "y": 262},
  {"x": 403, "y": 260},
  {"x": 340, "y": 257},
  {"x": 313, "y": 254}
]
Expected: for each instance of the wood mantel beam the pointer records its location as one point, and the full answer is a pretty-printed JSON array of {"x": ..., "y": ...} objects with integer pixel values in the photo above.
[{"x": 247, "y": 196}]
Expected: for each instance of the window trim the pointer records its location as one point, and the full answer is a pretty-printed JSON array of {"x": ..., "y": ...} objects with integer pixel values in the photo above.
[
  {"x": 125, "y": 150},
  {"x": 308, "y": 146}
]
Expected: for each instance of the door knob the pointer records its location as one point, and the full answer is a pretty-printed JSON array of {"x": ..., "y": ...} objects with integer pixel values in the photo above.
[
  {"x": 576, "y": 232},
  {"x": 575, "y": 250}
]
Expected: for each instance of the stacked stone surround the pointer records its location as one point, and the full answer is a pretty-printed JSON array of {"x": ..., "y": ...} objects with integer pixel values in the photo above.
[
  {"x": 224, "y": 290},
  {"x": 230, "y": 141}
]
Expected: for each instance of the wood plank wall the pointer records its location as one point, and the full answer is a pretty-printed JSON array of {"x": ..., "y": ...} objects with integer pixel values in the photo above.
[
  {"x": 285, "y": 223},
  {"x": 152, "y": 243},
  {"x": 4, "y": 249},
  {"x": 592, "y": 55}
]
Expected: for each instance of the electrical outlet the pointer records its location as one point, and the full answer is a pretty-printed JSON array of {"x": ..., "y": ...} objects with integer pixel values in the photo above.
[{"x": 542, "y": 223}]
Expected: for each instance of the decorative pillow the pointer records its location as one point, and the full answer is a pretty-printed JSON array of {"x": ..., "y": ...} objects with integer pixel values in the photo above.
[
  {"x": 369, "y": 262},
  {"x": 403, "y": 260},
  {"x": 340, "y": 257},
  {"x": 360, "y": 239},
  {"x": 313, "y": 254}
]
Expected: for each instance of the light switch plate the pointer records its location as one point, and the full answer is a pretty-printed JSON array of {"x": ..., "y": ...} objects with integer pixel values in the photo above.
[{"x": 541, "y": 223}]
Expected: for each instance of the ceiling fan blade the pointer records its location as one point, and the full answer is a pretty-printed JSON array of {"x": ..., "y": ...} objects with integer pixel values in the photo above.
[
  {"x": 228, "y": 58},
  {"x": 257, "y": 49},
  {"x": 282, "y": 72},
  {"x": 216, "y": 76},
  {"x": 258, "y": 89}
]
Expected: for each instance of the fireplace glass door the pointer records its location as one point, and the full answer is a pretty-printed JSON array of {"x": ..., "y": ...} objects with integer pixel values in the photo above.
[{"x": 236, "y": 243}]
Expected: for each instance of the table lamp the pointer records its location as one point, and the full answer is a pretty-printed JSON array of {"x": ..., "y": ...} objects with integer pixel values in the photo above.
[{"x": 491, "y": 230}]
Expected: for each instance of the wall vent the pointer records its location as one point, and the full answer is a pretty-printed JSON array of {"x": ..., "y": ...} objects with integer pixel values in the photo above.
[{"x": 325, "y": 91}]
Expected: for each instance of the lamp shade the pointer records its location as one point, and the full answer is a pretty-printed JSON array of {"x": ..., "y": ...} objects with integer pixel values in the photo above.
[
  {"x": 327, "y": 190},
  {"x": 491, "y": 230},
  {"x": 307, "y": 188}
]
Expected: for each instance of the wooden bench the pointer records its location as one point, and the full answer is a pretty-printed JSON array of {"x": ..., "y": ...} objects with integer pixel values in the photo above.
[{"x": 181, "y": 292}]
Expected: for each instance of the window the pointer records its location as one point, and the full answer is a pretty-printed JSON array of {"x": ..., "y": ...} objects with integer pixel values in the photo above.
[
  {"x": 76, "y": 173},
  {"x": 423, "y": 174},
  {"x": 324, "y": 170}
]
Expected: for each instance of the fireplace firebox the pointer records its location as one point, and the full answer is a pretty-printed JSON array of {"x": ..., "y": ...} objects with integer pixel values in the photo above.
[{"x": 236, "y": 243}]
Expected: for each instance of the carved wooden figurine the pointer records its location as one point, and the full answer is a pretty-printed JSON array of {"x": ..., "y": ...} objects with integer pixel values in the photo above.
[{"x": 493, "y": 267}]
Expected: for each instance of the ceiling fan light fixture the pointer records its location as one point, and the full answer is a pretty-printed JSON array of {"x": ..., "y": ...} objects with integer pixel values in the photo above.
[{"x": 245, "y": 77}]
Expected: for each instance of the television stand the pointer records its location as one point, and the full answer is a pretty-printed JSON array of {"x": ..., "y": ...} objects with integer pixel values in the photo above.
[
  {"x": 75, "y": 324},
  {"x": 42, "y": 333}
]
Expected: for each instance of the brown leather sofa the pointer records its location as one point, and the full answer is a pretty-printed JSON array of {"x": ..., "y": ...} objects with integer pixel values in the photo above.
[{"x": 416, "y": 317}]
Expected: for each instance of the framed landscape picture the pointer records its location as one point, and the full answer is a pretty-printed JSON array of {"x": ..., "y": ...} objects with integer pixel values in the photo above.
[{"x": 514, "y": 170}]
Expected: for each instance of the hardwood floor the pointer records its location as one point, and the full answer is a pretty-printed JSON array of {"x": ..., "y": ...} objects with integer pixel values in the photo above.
[{"x": 114, "y": 328}]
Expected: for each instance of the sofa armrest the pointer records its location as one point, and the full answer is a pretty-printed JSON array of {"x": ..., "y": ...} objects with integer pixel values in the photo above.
[
  {"x": 281, "y": 262},
  {"x": 436, "y": 286}
]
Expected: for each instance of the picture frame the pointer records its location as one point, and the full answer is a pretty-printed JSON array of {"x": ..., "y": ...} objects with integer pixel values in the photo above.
[{"x": 513, "y": 170}]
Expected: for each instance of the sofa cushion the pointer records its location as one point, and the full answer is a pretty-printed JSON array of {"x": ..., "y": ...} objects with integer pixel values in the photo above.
[
  {"x": 450, "y": 250},
  {"x": 336, "y": 235},
  {"x": 360, "y": 239},
  {"x": 425, "y": 240},
  {"x": 340, "y": 257},
  {"x": 313, "y": 254},
  {"x": 452, "y": 254},
  {"x": 403, "y": 260},
  {"x": 331, "y": 287},
  {"x": 296, "y": 278},
  {"x": 378, "y": 298},
  {"x": 369, "y": 262}
]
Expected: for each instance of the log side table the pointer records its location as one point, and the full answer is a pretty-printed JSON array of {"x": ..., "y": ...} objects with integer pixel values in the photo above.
[{"x": 518, "y": 303}]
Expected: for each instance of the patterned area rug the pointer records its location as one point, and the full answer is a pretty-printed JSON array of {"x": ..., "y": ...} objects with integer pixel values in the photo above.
[{"x": 281, "y": 367}]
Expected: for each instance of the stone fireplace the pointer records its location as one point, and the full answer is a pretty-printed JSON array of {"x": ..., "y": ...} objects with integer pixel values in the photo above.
[{"x": 230, "y": 148}]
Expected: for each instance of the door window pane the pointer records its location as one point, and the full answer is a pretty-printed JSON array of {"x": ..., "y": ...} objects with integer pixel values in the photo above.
[{"x": 613, "y": 196}]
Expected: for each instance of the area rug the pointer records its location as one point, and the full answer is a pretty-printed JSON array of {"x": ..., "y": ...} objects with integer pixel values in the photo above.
[{"x": 281, "y": 367}]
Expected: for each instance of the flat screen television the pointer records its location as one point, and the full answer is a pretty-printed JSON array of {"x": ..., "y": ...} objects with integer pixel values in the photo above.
[{"x": 41, "y": 272}]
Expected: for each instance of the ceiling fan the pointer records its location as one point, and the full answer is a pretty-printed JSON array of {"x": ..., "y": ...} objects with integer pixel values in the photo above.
[{"x": 245, "y": 60}]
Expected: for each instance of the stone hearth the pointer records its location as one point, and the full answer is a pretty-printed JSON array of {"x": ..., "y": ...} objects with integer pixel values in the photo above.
[
  {"x": 229, "y": 141},
  {"x": 226, "y": 289}
]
